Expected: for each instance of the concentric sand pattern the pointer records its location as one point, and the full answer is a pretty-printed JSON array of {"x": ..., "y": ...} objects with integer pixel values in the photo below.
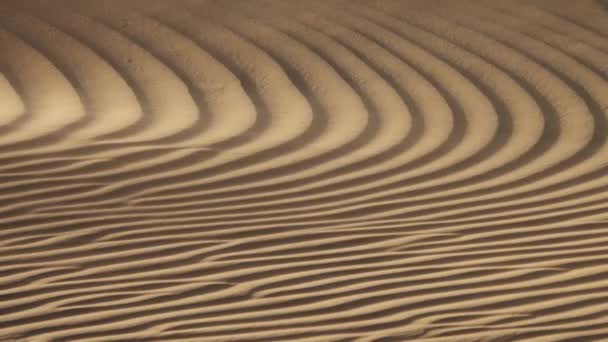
[{"x": 194, "y": 170}]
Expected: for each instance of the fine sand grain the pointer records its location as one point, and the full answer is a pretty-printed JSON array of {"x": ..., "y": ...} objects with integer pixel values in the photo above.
[{"x": 323, "y": 170}]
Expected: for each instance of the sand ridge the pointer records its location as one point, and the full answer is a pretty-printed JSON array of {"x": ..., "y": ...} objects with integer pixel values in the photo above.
[{"x": 262, "y": 170}]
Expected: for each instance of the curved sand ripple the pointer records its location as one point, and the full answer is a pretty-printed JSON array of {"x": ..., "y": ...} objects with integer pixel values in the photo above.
[{"x": 285, "y": 171}]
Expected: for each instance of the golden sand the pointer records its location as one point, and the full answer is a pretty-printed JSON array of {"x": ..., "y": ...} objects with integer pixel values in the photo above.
[{"x": 283, "y": 170}]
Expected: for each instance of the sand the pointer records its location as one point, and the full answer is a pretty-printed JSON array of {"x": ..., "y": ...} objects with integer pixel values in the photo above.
[{"x": 282, "y": 170}]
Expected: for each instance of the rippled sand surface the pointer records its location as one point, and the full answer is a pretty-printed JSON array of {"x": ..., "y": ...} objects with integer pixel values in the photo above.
[{"x": 191, "y": 170}]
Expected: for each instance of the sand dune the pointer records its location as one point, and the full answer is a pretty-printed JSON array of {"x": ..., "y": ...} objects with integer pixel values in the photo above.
[{"x": 394, "y": 170}]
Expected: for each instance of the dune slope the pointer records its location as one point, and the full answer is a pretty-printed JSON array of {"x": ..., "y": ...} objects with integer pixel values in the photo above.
[{"x": 266, "y": 170}]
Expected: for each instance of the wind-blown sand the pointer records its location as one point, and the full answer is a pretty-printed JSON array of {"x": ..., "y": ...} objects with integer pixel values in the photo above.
[{"x": 424, "y": 170}]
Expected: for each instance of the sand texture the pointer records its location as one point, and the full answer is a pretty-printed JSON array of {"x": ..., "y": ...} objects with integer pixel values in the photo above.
[{"x": 322, "y": 170}]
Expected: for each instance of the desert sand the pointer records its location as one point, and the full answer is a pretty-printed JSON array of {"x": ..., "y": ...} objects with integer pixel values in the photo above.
[{"x": 282, "y": 170}]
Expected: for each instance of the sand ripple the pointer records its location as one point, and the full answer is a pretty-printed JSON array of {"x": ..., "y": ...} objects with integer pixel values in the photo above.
[{"x": 415, "y": 170}]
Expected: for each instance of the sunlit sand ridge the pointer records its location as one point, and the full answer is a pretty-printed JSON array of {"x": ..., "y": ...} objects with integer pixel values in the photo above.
[{"x": 265, "y": 170}]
